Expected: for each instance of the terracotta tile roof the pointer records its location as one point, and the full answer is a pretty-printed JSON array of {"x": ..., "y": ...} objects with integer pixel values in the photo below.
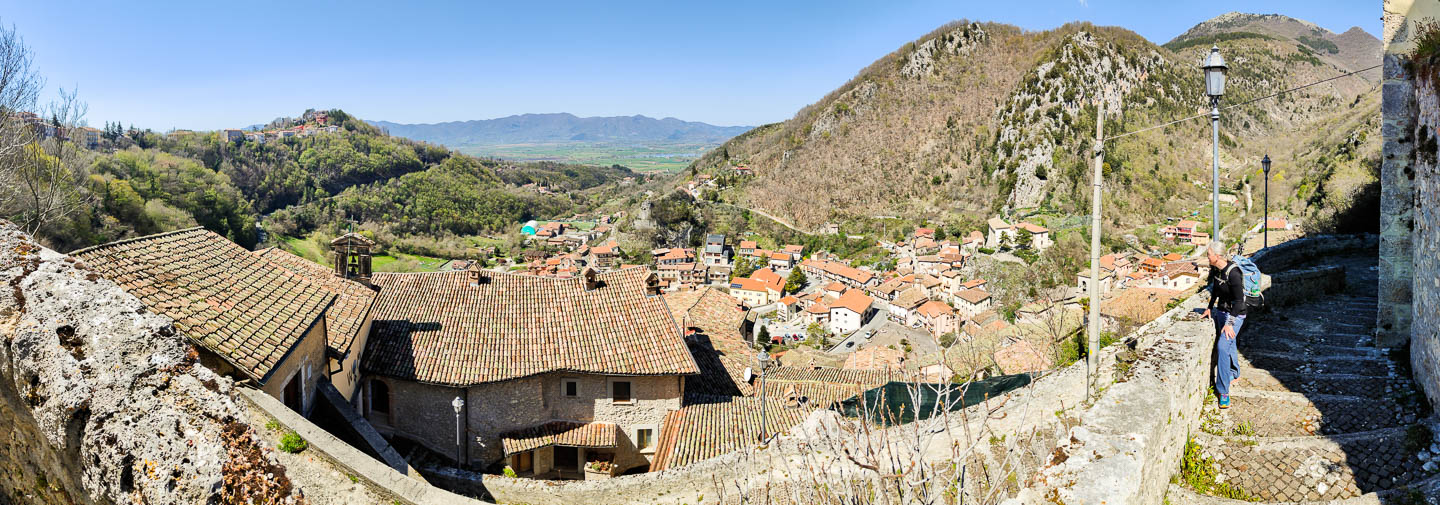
[
  {"x": 973, "y": 283},
  {"x": 998, "y": 223},
  {"x": 748, "y": 244},
  {"x": 835, "y": 286},
  {"x": 777, "y": 255},
  {"x": 794, "y": 249},
  {"x": 769, "y": 276},
  {"x": 439, "y": 328},
  {"x": 1020, "y": 357},
  {"x": 973, "y": 295},
  {"x": 924, "y": 232},
  {"x": 567, "y": 433},
  {"x": 748, "y": 284},
  {"x": 854, "y": 300},
  {"x": 1187, "y": 224},
  {"x": 876, "y": 358},
  {"x": 1154, "y": 262},
  {"x": 910, "y": 298},
  {"x": 789, "y": 300},
  {"x": 830, "y": 376},
  {"x": 1140, "y": 305},
  {"x": 607, "y": 248},
  {"x": 1172, "y": 257},
  {"x": 246, "y": 309},
  {"x": 935, "y": 308},
  {"x": 353, "y": 300},
  {"x": 1033, "y": 228},
  {"x": 719, "y": 350},
  {"x": 975, "y": 236},
  {"x": 705, "y": 430},
  {"x": 818, "y": 308}
]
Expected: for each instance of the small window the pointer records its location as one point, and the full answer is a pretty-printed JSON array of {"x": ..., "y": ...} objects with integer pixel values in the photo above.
[
  {"x": 620, "y": 391},
  {"x": 645, "y": 439},
  {"x": 571, "y": 387},
  {"x": 379, "y": 397}
]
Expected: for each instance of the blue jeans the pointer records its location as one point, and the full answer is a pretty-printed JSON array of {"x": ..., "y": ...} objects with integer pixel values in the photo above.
[{"x": 1227, "y": 359}]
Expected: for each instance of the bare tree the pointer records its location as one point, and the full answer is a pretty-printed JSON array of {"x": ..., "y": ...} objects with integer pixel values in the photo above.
[
  {"x": 20, "y": 89},
  {"x": 50, "y": 172}
]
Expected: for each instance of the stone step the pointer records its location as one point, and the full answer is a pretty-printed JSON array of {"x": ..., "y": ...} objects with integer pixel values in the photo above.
[
  {"x": 1274, "y": 414},
  {"x": 1255, "y": 379},
  {"x": 1263, "y": 342},
  {"x": 1311, "y": 469},
  {"x": 1309, "y": 365},
  {"x": 1335, "y": 338}
]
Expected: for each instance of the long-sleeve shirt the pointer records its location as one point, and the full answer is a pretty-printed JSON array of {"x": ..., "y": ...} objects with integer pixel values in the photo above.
[{"x": 1225, "y": 292}]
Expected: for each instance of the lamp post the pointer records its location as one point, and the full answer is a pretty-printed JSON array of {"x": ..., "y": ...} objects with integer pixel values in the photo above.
[
  {"x": 458, "y": 404},
  {"x": 1265, "y": 166},
  {"x": 1215, "y": 69}
]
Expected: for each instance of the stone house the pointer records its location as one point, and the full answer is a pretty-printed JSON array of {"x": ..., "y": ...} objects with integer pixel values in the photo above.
[
  {"x": 249, "y": 317},
  {"x": 755, "y": 292},
  {"x": 606, "y": 255},
  {"x": 1106, "y": 282},
  {"x": 781, "y": 261},
  {"x": 902, "y": 309},
  {"x": 997, "y": 230},
  {"x": 554, "y": 373},
  {"x": 348, "y": 320},
  {"x": 1039, "y": 236},
  {"x": 972, "y": 301},
  {"x": 821, "y": 270},
  {"x": 747, "y": 247}
]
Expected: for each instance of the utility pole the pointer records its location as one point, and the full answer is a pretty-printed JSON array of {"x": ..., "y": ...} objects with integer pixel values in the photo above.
[{"x": 1093, "y": 338}]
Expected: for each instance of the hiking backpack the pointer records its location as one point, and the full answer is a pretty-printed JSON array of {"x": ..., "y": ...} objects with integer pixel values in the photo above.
[{"x": 1256, "y": 282}]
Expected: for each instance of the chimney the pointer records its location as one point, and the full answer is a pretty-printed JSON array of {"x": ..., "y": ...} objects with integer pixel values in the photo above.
[
  {"x": 652, "y": 284},
  {"x": 590, "y": 277},
  {"x": 352, "y": 257},
  {"x": 477, "y": 274}
]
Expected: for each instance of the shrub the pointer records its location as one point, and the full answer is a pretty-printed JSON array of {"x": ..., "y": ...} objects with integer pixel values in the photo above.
[
  {"x": 509, "y": 472},
  {"x": 292, "y": 443}
]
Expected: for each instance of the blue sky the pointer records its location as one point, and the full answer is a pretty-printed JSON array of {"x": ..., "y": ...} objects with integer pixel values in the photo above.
[{"x": 207, "y": 65}]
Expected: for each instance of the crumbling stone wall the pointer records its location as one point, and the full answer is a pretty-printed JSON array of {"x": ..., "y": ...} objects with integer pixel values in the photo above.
[{"x": 101, "y": 401}]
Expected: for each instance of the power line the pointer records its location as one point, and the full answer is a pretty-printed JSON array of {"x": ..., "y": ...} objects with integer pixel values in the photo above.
[{"x": 1241, "y": 104}]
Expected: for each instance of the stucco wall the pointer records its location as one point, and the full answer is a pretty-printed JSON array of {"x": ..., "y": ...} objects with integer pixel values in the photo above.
[
  {"x": 308, "y": 360},
  {"x": 349, "y": 376},
  {"x": 497, "y": 408}
]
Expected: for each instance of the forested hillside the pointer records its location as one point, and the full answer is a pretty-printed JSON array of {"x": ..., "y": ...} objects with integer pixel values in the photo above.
[
  {"x": 975, "y": 119},
  {"x": 144, "y": 182}
]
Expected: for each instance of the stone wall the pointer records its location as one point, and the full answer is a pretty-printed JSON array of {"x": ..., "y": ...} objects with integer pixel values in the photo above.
[
  {"x": 1410, "y": 194},
  {"x": 102, "y": 401},
  {"x": 496, "y": 408},
  {"x": 306, "y": 362}
]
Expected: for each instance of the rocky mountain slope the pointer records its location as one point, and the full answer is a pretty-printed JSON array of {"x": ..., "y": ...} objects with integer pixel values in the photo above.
[{"x": 975, "y": 118}]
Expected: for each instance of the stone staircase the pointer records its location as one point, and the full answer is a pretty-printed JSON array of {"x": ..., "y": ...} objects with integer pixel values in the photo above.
[{"x": 1318, "y": 415}]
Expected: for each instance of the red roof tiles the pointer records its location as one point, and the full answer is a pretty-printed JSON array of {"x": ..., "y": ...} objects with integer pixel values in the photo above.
[
  {"x": 244, "y": 308},
  {"x": 346, "y": 317},
  {"x": 439, "y": 328}
]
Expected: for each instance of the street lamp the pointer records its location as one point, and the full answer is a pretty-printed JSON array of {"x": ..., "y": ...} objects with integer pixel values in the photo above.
[
  {"x": 1215, "y": 69},
  {"x": 1265, "y": 166},
  {"x": 458, "y": 404}
]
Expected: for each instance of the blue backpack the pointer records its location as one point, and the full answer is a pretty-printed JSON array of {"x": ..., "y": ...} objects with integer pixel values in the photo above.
[{"x": 1255, "y": 282}]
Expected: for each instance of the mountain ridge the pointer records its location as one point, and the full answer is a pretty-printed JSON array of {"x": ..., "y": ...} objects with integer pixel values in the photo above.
[{"x": 562, "y": 127}]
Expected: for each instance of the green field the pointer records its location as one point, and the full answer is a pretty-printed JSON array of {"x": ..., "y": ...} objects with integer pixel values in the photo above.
[
  {"x": 309, "y": 248},
  {"x": 666, "y": 158}
]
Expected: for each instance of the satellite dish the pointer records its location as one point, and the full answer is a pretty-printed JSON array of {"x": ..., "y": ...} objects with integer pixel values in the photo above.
[{"x": 749, "y": 374}]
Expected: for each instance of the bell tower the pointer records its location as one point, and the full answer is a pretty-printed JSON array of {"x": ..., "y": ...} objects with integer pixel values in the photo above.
[{"x": 352, "y": 257}]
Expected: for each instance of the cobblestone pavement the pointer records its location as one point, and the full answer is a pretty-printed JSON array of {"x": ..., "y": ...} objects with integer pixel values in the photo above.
[{"x": 1318, "y": 412}]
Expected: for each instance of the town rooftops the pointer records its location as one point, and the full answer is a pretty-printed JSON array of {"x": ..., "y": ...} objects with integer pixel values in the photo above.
[
  {"x": 714, "y": 238},
  {"x": 769, "y": 276},
  {"x": 748, "y": 244},
  {"x": 789, "y": 300},
  {"x": 998, "y": 224},
  {"x": 1018, "y": 356},
  {"x": 783, "y": 256},
  {"x": 846, "y": 271},
  {"x": 910, "y": 298},
  {"x": 748, "y": 284},
  {"x": 1187, "y": 224},
  {"x": 1172, "y": 257},
  {"x": 794, "y": 249},
  {"x": 353, "y": 301},
  {"x": 973, "y": 283},
  {"x": 244, "y": 308},
  {"x": 441, "y": 328}
]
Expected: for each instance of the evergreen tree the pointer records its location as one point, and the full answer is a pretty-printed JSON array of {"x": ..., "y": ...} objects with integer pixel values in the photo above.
[{"x": 796, "y": 281}]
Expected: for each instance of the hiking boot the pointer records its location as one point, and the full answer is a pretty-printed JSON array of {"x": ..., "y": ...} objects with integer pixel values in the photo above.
[{"x": 1224, "y": 401}]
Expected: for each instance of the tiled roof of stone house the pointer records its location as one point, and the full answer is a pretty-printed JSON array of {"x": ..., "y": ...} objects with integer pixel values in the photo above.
[
  {"x": 248, "y": 310},
  {"x": 702, "y": 431},
  {"x": 352, "y": 303},
  {"x": 440, "y": 328},
  {"x": 567, "y": 433},
  {"x": 719, "y": 350}
]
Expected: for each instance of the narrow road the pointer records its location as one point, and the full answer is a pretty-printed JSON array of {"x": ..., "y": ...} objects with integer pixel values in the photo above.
[
  {"x": 766, "y": 214},
  {"x": 1319, "y": 413}
]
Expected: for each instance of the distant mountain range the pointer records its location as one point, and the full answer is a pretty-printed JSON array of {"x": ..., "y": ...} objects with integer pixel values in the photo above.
[{"x": 563, "y": 128}]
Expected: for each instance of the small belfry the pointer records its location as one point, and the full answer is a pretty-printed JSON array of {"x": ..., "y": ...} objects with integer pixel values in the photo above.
[{"x": 352, "y": 257}]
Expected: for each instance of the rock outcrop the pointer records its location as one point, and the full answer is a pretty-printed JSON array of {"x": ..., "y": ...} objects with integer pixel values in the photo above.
[{"x": 102, "y": 401}]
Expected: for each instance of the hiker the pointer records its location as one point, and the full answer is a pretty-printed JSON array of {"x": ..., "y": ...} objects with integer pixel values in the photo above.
[{"x": 1227, "y": 303}]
